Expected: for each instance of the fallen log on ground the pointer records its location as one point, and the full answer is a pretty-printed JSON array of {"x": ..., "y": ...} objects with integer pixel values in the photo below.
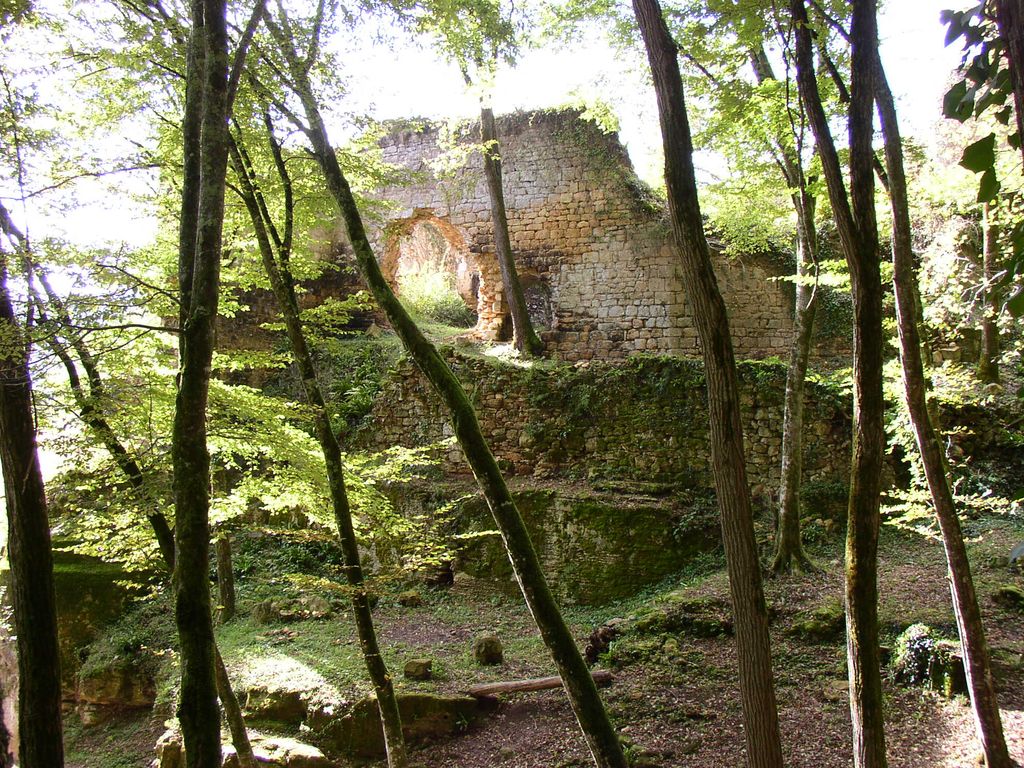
[{"x": 601, "y": 677}]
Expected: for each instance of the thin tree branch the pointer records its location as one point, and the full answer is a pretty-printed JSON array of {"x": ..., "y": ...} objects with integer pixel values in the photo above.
[{"x": 238, "y": 62}]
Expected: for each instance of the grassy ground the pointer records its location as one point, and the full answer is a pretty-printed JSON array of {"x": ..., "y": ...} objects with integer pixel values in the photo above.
[{"x": 674, "y": 698}]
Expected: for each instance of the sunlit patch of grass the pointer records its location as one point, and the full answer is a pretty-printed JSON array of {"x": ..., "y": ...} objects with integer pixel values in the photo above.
[{"x": 431, "y": 295}]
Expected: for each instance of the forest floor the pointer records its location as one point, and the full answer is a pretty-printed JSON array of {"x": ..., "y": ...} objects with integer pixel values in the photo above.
[{"x": 674, "y": 696}]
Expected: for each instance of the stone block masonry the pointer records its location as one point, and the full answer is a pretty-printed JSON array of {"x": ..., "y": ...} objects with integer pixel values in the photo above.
[
  {"x": 637, "y": 423},
  {"x": 591, "y": 242}
]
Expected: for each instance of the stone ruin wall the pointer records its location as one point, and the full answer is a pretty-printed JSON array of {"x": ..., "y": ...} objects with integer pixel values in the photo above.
[
  {"x": 590, "y": 242},
  {"x": 640, "y": 421}
]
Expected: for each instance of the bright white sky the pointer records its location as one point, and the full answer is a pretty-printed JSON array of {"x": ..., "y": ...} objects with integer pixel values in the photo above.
[
  {"x": 411, "y": 83},
  {"x": 401, "y": 80}
]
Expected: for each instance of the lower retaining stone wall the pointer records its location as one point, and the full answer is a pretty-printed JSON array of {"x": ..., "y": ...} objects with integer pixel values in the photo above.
[{"x": 634, "y": 423}]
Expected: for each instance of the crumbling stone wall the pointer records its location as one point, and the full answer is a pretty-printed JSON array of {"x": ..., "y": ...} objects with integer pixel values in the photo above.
[
  {"x": 637, "y": 423},
  {"x": 590, "y": 240}
]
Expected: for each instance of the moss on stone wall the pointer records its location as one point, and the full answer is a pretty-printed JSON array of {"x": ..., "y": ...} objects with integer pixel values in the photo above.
[
  {"x": 643, "y": 419},
  {"x": 595, "y": 547},
  {"x": 90, "y": 595}
]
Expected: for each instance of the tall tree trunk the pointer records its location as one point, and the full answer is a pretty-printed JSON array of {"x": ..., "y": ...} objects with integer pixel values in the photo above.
[
  {"x": 284, "y": 290},
  {"x": 988, "y": 365},
  {"x": 205, "y": 136},
  {"x": 789, "y": 549},
  {"x": 1010, "y": 20},
  {"x": 858, "y": 233},
  {"x": 523, "y": 334},
  {"x": 225, "y": 581},
  {"x": 579, "y": 685},
  {"x": 757, "y": 690},
  {"x": 31, "y": 557},
  {"x": 965, "y": 600}
]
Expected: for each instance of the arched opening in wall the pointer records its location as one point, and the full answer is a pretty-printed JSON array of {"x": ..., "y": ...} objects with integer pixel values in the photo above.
[{"x": 432, "y": 271}]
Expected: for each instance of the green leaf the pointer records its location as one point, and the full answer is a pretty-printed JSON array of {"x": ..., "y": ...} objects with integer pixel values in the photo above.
[
  {"x": 1003, "y": 115},
  {"x": 988, "y": 187},
  {"x": 981, "y": 155},
  {"x": 953, "y": 100}
]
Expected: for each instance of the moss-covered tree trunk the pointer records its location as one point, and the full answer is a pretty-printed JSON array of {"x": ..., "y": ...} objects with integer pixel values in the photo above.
[
  {"x": 789, "y": 548},
  {"x": 283, "y": 286},
  {"x": 30, "y": 553},
  {"x": 523, "y": 335},
  {"x": 988, "y": 364},
  {"x": 858, "y": 233},
  {"x": 757, "y": 689},
  {"x": 205, "y": 161},
  {"x": 579, "y": 685},
  {"x": 965, "y": 600},
  {"x": 225, "y": 581}
]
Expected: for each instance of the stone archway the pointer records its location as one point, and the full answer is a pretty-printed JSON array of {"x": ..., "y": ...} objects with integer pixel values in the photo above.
[{"x": 427, "y": 243}]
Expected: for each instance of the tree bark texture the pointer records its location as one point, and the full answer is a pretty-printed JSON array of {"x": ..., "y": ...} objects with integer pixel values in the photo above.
[
  {"x": 284, "y": 291},
  {"x": 582, "y": 692},
  {"x": 31, "y": 556},
  {"x": 858, "y": 233},
  {"x": 225, "y": 581},
  {"x": 205, "y": 159},
  {"x": 789, "y": 548},
  {"x": 1010, "y": 20},
  {"x": 523, "y": 334},
  {"x": 965, "y": 600},
  {"x": 988, "y": 365},
  {"x": 757, "y": 690}
]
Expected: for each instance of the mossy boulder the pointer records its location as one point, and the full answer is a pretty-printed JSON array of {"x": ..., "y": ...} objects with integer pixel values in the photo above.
[
  {"x": 91, "y": 594},
  {"x": 425, "y": 717},
  {"x": 276, "y": 704},
  {"x": 488, "y": 650},
  {"x": 700, "y": 617},
  {"x": 923, "y": 657},
  {"x": 103, "y": 692},
  {"x": 419, "y": 669},
  {"x": 410, "y": 598},
  {"x": 822, "y": 625}
]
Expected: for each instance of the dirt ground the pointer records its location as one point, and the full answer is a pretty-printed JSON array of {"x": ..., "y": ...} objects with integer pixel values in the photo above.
[
  {"x": 678, "y": 705},
  {"x": 685, "y": 712}
]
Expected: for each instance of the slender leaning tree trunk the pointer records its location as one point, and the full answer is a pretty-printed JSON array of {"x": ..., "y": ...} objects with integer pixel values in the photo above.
[
  {"x": 789, "y": 548},
  {"x": 284, "y": 291},
  {"x": 202, "y": 216},
  {"x": 757, "y": 689},
  {"x": 31, "y": 557},
  {"x": 965, "y": 599},
  {"x": 579, "y": 685},
  {"x": 91, "y": 409},
  {"x": 523, "y": 334},
  {"x": 858, "y": 233}
]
